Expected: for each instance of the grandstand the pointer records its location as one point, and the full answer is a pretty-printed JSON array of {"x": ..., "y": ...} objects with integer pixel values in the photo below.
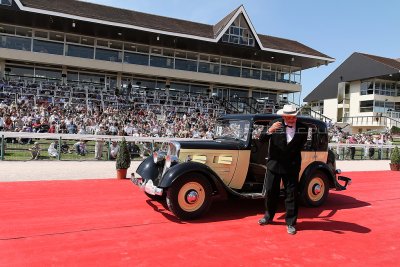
[{"x": 79, "y": 54}]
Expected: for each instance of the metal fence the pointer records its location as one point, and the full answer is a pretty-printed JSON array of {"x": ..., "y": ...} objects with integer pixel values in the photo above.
[
  {"x": 20, "y": 146},
  {"x": 17, "y": 146},
  {"x": 361, "y": 151}
]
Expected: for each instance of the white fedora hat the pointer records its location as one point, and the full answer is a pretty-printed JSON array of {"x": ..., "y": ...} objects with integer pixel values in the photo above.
[{"x": 288, "y": 110}]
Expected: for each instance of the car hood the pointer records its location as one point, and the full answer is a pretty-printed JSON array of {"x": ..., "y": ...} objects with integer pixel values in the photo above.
[{"x": 212, "y": 144}]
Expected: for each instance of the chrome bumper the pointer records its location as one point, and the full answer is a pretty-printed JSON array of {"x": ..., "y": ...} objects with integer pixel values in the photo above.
[{"x": 148, "y": 186}]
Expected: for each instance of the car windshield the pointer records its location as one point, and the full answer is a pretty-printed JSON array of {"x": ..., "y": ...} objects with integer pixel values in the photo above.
[{"x": 232, "y": 129}]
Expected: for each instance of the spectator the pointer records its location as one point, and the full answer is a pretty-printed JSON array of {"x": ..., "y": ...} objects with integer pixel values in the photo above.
[
  {"x": 98, "y": 148},
  {"x": 65, "y": 148},
  {"x": 35, "y": 151},
  {"x": 80, "y": 148},
  {"x": 53, "y": 149},
  {"x": 114, "y": 148}
]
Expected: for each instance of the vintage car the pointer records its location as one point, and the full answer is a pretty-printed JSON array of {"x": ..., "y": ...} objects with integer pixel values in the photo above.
[{"x": 191, "y": 174}]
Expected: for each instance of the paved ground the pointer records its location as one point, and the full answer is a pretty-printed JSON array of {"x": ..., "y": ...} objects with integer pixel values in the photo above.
[{"x": 73, "y": 170}]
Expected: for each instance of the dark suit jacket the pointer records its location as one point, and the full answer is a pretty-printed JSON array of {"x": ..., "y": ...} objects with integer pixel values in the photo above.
[{"x": 283, "y": 157}]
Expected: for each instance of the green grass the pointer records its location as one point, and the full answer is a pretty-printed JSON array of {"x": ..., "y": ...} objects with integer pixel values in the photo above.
[{"x": 20, "y": 152}]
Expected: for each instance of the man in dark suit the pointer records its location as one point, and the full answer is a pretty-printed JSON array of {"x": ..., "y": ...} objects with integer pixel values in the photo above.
[{"x": 286, "y": 139}]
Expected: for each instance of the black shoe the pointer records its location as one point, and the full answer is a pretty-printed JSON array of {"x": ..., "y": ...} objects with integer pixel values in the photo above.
[
  {"x": 291, "y": 230},
  {"x": 263, "y": 221}
]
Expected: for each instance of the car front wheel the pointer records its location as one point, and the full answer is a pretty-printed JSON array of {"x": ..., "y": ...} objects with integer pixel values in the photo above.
[
  {"x": 315, "y": 189},
  {"x": 189, "y": 196}
]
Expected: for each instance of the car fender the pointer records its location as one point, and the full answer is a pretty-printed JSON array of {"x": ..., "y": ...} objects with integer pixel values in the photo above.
[
  {"x": 180, "y": 169},
  {"x": 148, "y": 169},
  {"x": 321, "y": 166}
]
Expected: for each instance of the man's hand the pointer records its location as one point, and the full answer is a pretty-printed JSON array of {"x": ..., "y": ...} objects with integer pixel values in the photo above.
[{"x": 274, "y": 127}]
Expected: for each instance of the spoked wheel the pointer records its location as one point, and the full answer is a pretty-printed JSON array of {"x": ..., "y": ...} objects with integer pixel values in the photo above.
[
  {"x": 315, "y": 189},
  {"x": 190, "y": 196}
]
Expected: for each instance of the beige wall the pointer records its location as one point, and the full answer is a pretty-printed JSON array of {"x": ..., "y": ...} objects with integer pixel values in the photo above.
[
  {"x": 354, "y": 98},
  {"x": 145, "y": 70},
  {"x": 330, "y": 108}
]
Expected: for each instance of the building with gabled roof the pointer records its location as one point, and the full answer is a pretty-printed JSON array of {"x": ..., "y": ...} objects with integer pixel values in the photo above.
[
  {"x": 82, "y": 42},
  {"x": 364, "y": 91}
]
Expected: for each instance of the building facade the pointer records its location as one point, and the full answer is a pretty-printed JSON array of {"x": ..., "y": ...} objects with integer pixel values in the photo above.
[
  {"x": 108, "y": 49},
  {"x": 363, "y": 92}
]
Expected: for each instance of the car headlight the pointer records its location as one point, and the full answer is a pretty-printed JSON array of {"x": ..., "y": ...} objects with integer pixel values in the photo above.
[
  {"x": 158, "y": 157},
  {"x": 170, "y": 160}
]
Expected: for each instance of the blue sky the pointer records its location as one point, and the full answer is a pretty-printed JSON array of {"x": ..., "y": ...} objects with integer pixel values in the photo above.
[{"x": 336, "y": 28}]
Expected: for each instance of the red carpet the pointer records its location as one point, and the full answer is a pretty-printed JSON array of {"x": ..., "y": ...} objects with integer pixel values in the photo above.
[{"x": 112, "y": 223}]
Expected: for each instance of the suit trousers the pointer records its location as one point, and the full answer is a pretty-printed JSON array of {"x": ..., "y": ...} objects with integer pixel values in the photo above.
[{"x": 272, "y": 190}]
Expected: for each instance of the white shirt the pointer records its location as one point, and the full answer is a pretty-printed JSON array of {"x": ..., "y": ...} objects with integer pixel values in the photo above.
[{"x": 290, "y": 133}]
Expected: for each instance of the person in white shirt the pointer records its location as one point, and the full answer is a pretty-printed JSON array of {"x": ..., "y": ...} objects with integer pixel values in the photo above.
[
  {"x": 114, "y": 148},
  {"x": 53, "y": 149}
]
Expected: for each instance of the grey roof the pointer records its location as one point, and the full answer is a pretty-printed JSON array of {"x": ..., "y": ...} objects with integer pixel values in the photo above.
[
  {"x": 358, "y": 66},
  {"x": 155, "y": 22}
]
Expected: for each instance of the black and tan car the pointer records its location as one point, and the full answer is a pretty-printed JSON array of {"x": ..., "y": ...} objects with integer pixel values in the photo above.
[{"x": 191, "y": 174}]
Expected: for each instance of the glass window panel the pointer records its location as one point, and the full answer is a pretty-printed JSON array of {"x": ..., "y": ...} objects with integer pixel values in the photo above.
[
  {"x": 208, "y": 68},
  {"x": 87, "y": 40},
  {"x": 268, "y": 75},
  {"x": 168, "y": 52},
  {"x": 7, "y": 29},
  {"x": 161, "y": 62},
  {"x": 80, "y": 51},
  {"x": 108, "y": 55},
  {"x": 116, "y": 45},
  {"x": 135, "y": 58},
  {"x": 143, "y": 49},
  {"x": 6, "y": 2},
  {"x": 21, "y": 71},
  {"x": 50, "y": 74},
  {"x": 90, "y": 78},
  {"x": 215, "y": 59},
  {"x": 188, "y": 65},
  {"x": 204, "y": 57},
  {"x": 15, "y": 43},
  {"x": 198, "y": 89},
  {"x": 48, "y": 47},
  {"x": 41, "y": 34},
  {"x": 72, "y": 76},
  {"x": 23, "y": 32},
  {"x": 180, "y": 54},
  {"x": 103, "y": 43},
  {"x": 192, "y": 56},
  {"x": 179, "y": 87},
  {"x": 251, "y": 73},
  {"x": 230, "y": 71},
  {"x": 55, "y": 36},
  {"x": 130, "y": 47},
  {"x": 73, "y": 39},
  {"x": 156, "y": 50}
]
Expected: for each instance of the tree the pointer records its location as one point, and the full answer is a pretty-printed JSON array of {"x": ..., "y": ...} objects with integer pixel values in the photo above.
[{"x": 123, "y": 157}]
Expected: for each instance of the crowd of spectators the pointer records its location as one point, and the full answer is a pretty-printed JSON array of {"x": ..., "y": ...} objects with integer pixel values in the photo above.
[
  {"x": 24, "y": 115},
  {"x": 372, "y": 141}
]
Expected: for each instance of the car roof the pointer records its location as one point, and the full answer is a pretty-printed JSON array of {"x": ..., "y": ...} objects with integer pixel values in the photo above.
[{"x": 259, "y": 117}]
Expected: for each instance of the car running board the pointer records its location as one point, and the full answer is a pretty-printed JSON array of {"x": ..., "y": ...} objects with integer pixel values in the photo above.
[{"x": 252, "y": 195}]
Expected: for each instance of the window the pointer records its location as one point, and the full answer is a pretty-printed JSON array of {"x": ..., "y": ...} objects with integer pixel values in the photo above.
[
  {"x": 366, "y": 106},
  {"x": 6, "y": 2},
  {"x": 239, "y": 33},
  {"x": 367, "y": 88}
]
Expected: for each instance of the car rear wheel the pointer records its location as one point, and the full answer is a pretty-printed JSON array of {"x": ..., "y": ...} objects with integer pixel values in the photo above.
[
  {"x": 189, "y": 196},
  {"x": 315, "y": 189}
]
